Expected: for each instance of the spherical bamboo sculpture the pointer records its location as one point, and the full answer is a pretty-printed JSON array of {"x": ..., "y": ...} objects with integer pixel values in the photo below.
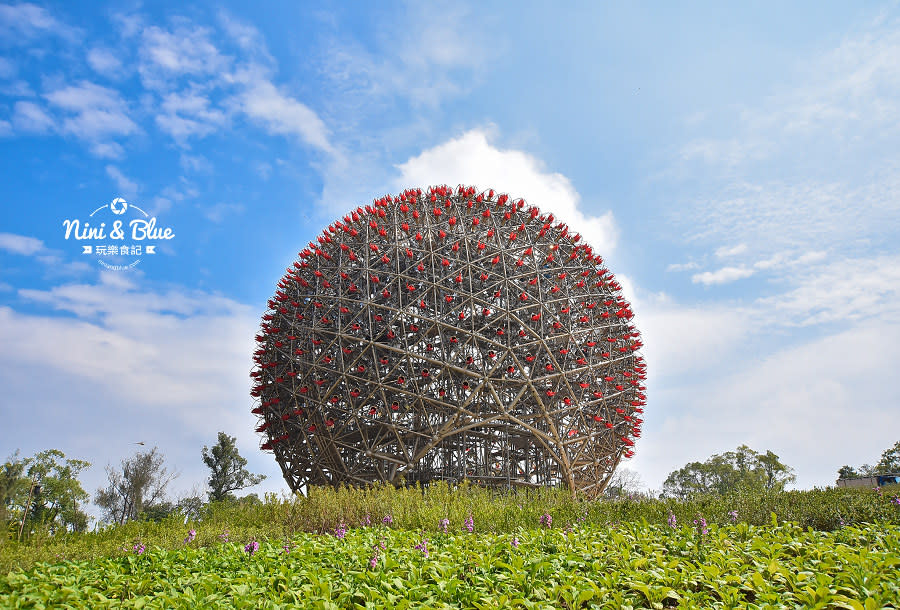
[{"x": 449, "y": 335}]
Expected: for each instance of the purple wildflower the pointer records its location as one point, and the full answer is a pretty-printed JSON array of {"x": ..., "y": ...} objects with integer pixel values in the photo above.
[
  {"x": 367, "y": 521},
  {"x": 514, "y": 542},
  {"x": 388, "y": 519},
  {"x": 470, "y": 523},
  {"x": 445, "y": 523},
  {"x": 138, "y": 548},
  {"x": 700, "y": 524},
  {"x": 224, "y": 535},
  {"x": 673, "y": 522},
  {"x": 190, "y": 537},
  {"x": 340, "y": 531},
  {"x": 423, "y": 546},
  {"x": 251, "y": 547},
  {"x": 734, "y": 515},
  {"x": 373, "y": 561},
  {"x": 546, "y": 520}
]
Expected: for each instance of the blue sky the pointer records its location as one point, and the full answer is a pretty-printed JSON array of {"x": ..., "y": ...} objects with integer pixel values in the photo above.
[{"x": 737, "y": 167}]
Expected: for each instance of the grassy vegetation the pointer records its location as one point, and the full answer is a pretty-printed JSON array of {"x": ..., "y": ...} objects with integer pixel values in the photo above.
[{"x": 808, "y": 545}]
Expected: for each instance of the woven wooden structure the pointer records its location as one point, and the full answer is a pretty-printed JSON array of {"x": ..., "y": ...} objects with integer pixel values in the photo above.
[{"x": 448, "y": 335}]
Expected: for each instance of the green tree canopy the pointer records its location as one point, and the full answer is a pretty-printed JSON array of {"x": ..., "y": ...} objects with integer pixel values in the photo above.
[
  {"x": 138, "y": 489},
  {"x": 44, "y": 490},
  {"x": 228, "y": 469},
  {"x": 890, "y": 460},
  {"x": 742, "y": 468},
  {"x": 888, "y": 464}
]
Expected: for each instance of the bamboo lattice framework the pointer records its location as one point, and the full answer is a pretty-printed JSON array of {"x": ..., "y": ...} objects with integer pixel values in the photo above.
[{"x": 448, "y": 335}]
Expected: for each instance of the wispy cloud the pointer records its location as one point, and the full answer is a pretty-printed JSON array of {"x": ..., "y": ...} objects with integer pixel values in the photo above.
[
  {"x": 688, "y": 266},
  {"x": 95, "y": 114},
  {"x": 105, "y": 62},
  {"x": 31, "y": 118},
  {"x": 188, "y": 113},
  {"x": 20, "y": 244},
  {"x": 173, "y": 358},
  {"x": 167, "y": 55},
  {"x": 127, "y": 188},
  {"x": 279, "y": 113},
  {"x": 726, "y": 251},
  {"x": 195, "y": 163},
  {"x": 724, "y": 275},
  {"x": 22, "y": 23},
  {"x": 845, "y": 289},
  {"x": 217, "y": 212}
]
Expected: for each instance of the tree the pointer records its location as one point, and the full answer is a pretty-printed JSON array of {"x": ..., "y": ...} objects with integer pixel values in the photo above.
[
  {"x": 889, "y": 463},
  {"x": 742, "y": 468},
  {"x": 890, "y": 460},
  {"x": 137, "y": 489},
  {"x": 847, "y": 472},
  {"x": 228, "y": 469},
  {"x": 56, "y": 490},
  {"x": 624, "y": 482},
  {"x": 13, "y": 490}
]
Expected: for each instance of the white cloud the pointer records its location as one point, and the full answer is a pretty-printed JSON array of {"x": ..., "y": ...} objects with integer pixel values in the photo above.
[
  {"x": 95, "y": 114},
  {"x": 683, "y": 339},
  {"x": 8, "y": 69},
  {"x": 184, "y": 51},
  {"x": 104, "y": 61},
  {"x": 247, "y": 37},
  {"x": 126, "y": 187},
  {"x": 29, "y": 117},
  {"x": 846, "y": 290},
  {"x": 812, "y": 404},
  {"x": 724, "y": 152},
  {"x": 5, "y": 128},
  {"x": 168, "y": 367},
  {"x": 188, "y": 114},
  {"x": 17, "y": 88},
  {"x": 722, "y": 276},
  {"x": 22, "y": 23},
  {"x": 279, "y": 113},
  {"x": 107, "y": 150},
  {"x": 195, "y": 163},
  {"x": 472, "y": 160},
  {"x": 219, "y": 211},
  {"x": 420, "y": 57},
  {"x": 20, "y": 244},
  {"x": 683, "y": 266},
  {"x": 726, "y": 251}
]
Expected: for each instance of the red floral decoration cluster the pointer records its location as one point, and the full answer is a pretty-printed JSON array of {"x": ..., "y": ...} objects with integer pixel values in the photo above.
[{"x": 434, "y": 326}]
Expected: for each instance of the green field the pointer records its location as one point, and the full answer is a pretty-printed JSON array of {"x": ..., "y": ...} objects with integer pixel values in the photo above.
[{"x": 395, "y": 553}]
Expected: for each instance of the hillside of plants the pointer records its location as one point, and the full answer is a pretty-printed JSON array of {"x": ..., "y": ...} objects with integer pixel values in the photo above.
[
  {"x": 722, "y": 533},
  {"x": 471, "y": 547}
]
